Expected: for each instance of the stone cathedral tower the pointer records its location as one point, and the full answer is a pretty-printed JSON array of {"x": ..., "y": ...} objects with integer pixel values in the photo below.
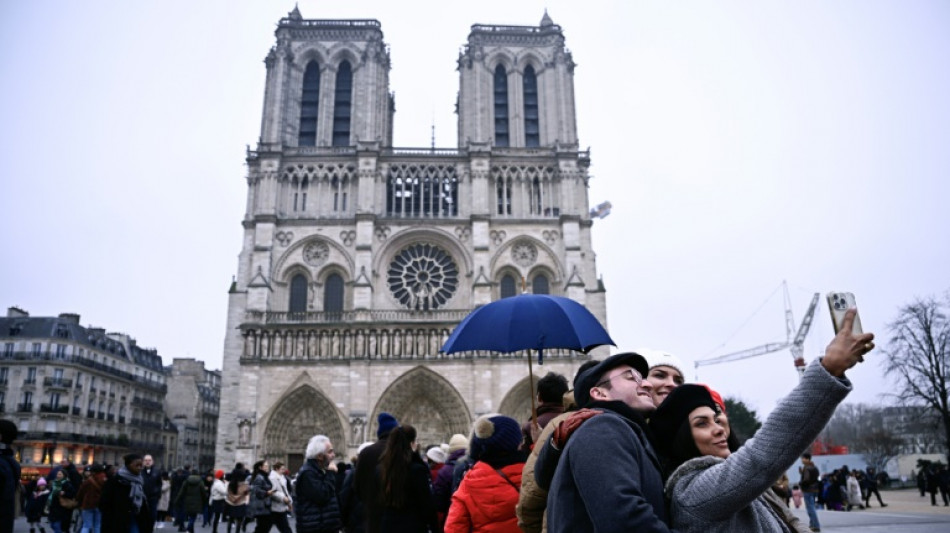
[{"x": 359, "y": 257}]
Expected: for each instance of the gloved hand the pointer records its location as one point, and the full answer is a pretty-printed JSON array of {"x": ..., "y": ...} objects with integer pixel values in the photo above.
[{"x": 569, "y": 425}]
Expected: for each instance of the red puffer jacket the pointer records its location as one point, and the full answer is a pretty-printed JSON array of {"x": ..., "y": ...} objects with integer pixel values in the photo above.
[{"x": 485, "y": 502}]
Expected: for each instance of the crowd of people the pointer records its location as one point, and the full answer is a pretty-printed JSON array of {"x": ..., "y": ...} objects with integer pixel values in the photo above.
[{"x": 631, "y": 448}]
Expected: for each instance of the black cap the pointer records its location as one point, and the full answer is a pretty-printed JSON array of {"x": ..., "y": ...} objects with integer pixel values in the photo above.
[
  {"x": 587, "y": 379},
  {"x": 675, "y": 409},
  {"x": 8, "y": 431}
]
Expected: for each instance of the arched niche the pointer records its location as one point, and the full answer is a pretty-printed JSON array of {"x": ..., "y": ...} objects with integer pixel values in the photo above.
[
  {"x": 428, "y": 402},
  {"x": 517, "y": 402},
  {"x": 298, "y": 416}
]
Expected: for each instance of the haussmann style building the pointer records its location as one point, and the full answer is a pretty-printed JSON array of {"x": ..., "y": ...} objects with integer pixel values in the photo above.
[{"x": 359, "y": 258}]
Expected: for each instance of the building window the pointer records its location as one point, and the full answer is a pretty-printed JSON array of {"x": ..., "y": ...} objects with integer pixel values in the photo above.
[
  {"x": 308, "y": 105},
  {"x": 54, "y": 400},
  {"x": 298, "y": 294},
  {"x": 339, "y": 187},
  {"x": 540, "y": 285},
  {"x": 333, "y": 294},
  {"x": 507, "y": 288},
  {"x": 4, "y": 374},
  {"x": 299, "y": 191},
  {"x": 532, "y": 136},
  {"x": 422, "y": 277},
  {"x": 503, "y": 194},
  {"x": 422, "y": 191},
  {"x": 58, "y": 374},
  {"x": 501, "y": 106},
  {"x": 31, "y": 374},
  {"x": 341, "y": 107},
  {"x": 37, "y": 349},
  {"x": 61, "y": 351},
  {"x": 8, "y": 349}
]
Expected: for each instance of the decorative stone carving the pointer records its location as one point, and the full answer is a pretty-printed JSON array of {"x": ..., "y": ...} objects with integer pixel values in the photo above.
[
  {"x": 550, "y": 236},
  {"x": 348, "y": 237},
  {"x": 358, "y": 427},
  {"x": 422, "y": 277},
  {"x": 244, "y": 432},
  {"x": 497, "y": 237},
  {"x": 524, "y": 253},
  {"x": 316, "y": 253},
  {"x": 284, "y": 237},
  {"x": 382, "y": 233},
  {"x": 463, "y": 233}
]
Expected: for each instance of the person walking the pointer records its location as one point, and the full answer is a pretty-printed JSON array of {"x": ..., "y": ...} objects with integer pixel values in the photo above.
[
  {"x": 485, "y": 500},
  {"x": 405, "y": 492},
  {"x": 236, "y": 499},
  {"x": 123, "y": 503},
  {"x": 281, "y": 501},
  {"x": 871, "y": 488},
  {"x": 61, "y": 502},
  {"x": 810, "y": 486},
  {"x": 190, "y": 500},
  {"x": 35, "y": 504},
  {"x": 365, "y": 480},
  {"x": 854, "y": 491},
  {"x": 219, "y": 491},
  {"x": 316, "y": 505},
  {"x": 90, "y": 492},
  {"x": 258, "y": 506},
  {"x": 152, "y": 484},
  {"x": 164, "y": 501}
]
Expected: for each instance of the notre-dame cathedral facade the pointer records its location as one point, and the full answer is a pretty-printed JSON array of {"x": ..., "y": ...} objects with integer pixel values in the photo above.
[{"x": 359, "y": 258}]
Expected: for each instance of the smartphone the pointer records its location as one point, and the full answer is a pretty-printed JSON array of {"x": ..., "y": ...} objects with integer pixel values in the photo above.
[{"x": 838, "y": 304}]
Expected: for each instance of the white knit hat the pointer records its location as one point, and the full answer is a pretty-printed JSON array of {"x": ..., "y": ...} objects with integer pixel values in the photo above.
[
  {"x": 657, "y": 358},
  {"x": 436, "y": 454}
]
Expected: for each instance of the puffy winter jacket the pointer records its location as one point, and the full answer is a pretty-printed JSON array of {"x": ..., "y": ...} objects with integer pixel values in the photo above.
[
  {"x": 485, "y": 501},
  {"x": 316, "y": 506}
]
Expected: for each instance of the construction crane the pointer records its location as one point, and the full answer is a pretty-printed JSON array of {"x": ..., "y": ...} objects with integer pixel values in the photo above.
[{"x": 795, "y": 340}]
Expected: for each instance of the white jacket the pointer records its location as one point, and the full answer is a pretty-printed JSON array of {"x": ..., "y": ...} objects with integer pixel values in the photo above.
[{"x": 280, "y": 499}]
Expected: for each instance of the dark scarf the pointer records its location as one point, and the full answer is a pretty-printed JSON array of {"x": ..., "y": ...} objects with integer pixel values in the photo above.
[{"x": 137, "y": 494}]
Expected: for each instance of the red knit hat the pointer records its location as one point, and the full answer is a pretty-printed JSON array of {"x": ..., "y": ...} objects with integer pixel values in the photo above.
[{"x": 218, "y": 474}]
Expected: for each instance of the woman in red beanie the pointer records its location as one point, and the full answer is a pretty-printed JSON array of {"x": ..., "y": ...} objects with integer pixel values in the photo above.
[{"x": 219, "y": 491}]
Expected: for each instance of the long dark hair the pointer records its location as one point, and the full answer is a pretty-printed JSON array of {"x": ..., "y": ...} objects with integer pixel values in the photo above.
[
  {"x": 236, "y": 477},
  {"x": 394, "y": 466}
]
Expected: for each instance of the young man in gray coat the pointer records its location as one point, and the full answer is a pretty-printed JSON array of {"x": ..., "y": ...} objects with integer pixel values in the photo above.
[{"x": 607, "y": 477}]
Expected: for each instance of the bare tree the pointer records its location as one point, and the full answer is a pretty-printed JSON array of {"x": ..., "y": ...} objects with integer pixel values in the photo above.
[
  {"x": 918, "y": 356},
  {"x": 879, "y": 447}
]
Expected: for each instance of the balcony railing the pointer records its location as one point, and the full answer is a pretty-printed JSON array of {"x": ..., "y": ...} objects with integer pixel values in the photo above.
[
  {"x": 48, "y": 408},
  {"x": 58, "y": 383},
  {"x": 77, "y": 411},
  {"x": 90, "y": 414},
  {"x": 322, "y": 317},
  {"x": 24, "y": 407},
  {"x": 86, "y": 362},
  {"x": 147, "y": 404},
  {"x": 29, "y": 381}
]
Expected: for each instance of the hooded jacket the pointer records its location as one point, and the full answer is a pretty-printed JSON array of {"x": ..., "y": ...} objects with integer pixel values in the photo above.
[
  {"x": 485, "y": 501},
  {"x": 192, "y": 494},
  {"x": 316, "y": 506}
]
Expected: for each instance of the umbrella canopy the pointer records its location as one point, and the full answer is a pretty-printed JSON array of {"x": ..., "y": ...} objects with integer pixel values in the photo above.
[{"x": 528, "y": 322}]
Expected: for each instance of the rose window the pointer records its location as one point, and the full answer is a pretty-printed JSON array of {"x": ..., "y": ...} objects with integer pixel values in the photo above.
[
  {"x": 423, "y": 277},
  {"x": 315, "y": 253}
]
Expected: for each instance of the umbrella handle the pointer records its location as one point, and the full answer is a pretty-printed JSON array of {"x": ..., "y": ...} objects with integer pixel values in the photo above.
[{"x": 534, "y": 408}]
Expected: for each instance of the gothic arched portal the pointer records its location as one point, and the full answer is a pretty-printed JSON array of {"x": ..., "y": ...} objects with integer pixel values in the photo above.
[
  {"x": 428, "y": 402},
  {"x": 517, "y": 403},
  {"x": 296, "y": 418}
]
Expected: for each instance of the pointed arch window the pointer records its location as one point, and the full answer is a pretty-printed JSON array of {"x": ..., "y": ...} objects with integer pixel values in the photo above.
[
  {"x": 501, "y": 106},
  {"x": 308, "y": 105},
  {"x": 333, "y": 294},
  {"x": 507, "y": 288},
  {"x": 540, "y": 285},
  {"x": 532, "y": 135},
  {"x": 342, "y": 100},
  {"x": 298, "y": 294},
  {"x": 503, "y": 195}
]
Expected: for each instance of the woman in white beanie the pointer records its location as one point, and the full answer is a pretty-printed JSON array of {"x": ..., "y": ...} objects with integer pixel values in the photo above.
[{"x": 666, "y": 373}]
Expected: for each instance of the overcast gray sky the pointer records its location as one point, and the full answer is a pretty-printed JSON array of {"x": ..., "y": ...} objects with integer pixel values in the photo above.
[{"x": 740, "y": 143}]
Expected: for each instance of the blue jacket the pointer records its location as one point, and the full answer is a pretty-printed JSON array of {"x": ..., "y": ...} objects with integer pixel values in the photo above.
[
  {"x": 607, "y": 478},
  {"x": 316, "y": 506}
]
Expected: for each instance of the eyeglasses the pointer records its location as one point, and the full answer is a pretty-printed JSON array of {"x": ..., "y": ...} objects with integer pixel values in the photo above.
[{"x": 629, "y": 375}]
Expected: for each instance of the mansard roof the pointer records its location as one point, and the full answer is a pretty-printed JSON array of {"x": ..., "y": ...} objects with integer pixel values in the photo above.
[{"x": 66, "y": 328}]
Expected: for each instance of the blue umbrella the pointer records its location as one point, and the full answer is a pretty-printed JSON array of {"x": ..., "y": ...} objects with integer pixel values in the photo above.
[{"x": 528, "y": 322}]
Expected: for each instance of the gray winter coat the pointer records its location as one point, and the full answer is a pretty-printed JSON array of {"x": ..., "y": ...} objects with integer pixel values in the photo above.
[
  {"x": 607, "y": 478},
  {"x": 709, "y": 494}
]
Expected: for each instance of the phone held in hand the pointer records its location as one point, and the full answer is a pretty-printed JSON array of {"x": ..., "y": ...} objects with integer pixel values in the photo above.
[{"x": 838, "y": 304}]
